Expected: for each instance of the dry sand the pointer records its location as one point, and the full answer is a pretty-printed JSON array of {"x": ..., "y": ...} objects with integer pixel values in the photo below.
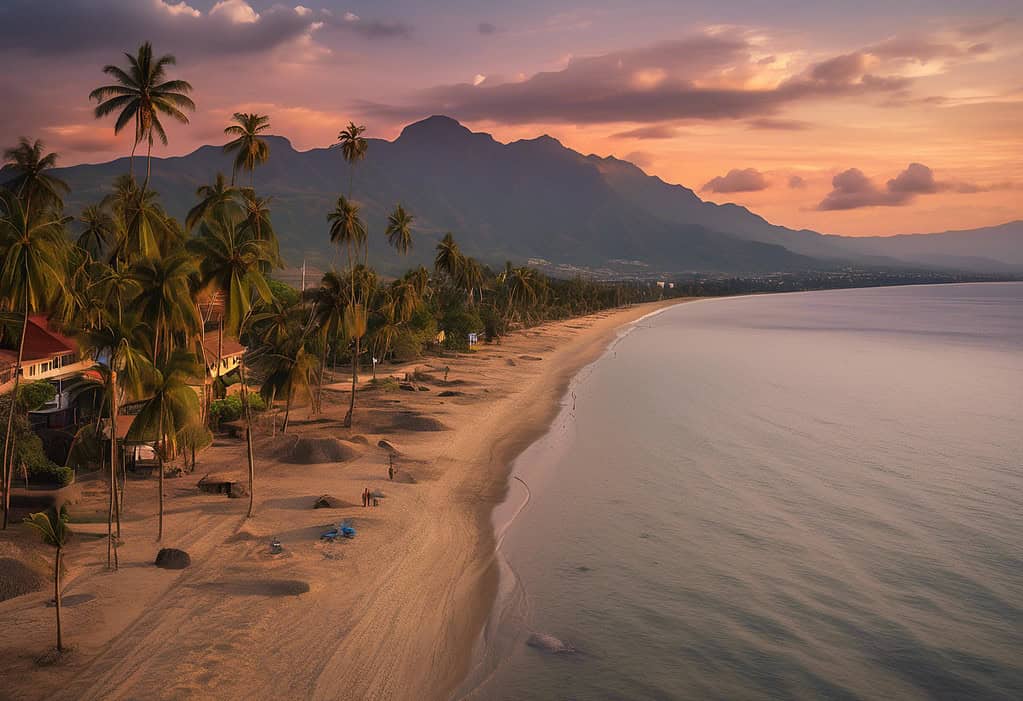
[{"x": 390, "y": 614}]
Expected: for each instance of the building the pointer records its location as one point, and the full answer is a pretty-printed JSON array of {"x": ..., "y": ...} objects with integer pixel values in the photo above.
[{"x": 49, "y": 355}]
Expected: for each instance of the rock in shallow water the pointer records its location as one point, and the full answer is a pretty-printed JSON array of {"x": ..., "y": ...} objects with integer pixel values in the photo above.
[{"x": 548, "y": 643}]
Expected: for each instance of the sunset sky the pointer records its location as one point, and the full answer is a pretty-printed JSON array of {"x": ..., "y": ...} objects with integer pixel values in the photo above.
[{"x": 855, "y": 118}]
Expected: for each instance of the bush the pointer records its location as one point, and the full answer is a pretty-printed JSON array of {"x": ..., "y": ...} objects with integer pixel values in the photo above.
[
  {"x": 35, "y": 394},
  {"x": 230, "y": 408},
  {"x": 457, "y": 325}
]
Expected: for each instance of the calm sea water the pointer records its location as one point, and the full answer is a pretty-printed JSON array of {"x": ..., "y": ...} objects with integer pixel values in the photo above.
[{"x": 814, "y": 495}]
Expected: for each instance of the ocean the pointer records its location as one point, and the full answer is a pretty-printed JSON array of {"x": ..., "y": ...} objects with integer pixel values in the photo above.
[{"x": 807, "y": 496}]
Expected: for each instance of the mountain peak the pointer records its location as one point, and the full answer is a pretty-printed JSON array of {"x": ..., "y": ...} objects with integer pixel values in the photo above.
[{"x": 437, "y": 127}]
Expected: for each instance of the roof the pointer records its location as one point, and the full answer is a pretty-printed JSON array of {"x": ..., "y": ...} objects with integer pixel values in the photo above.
[
  {"x": 210, "y": 342},
  {"x": 42, "y": 341}
]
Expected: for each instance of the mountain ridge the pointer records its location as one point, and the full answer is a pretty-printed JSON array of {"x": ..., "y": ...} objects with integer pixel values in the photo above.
[{"x": 536, "y": 198}]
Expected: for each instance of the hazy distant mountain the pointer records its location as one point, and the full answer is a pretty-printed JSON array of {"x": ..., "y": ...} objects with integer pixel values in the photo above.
[{"x": 535, "y": 199}]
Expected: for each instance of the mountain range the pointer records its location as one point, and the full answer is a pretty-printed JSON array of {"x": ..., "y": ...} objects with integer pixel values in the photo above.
[{"x": 536, "y": 199}]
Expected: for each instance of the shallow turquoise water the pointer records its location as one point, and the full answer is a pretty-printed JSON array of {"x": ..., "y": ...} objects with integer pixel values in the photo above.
[{"x": 815, "y": 495}]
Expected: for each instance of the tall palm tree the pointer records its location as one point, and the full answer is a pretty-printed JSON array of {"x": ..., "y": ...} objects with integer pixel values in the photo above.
[
  {"x": 232, "y": 264},
  {"x": 55, "y": 533},
  {"x": 347, "y": 227},
  {"x": 287, "y": 371},
  {"x": 119, "y": 347},
  {"x": 399, "y": 230},
  {"x": 31, "y": 181},
  {"x": 213, "y": 197},
  {"x": 171, "y": 409},
  {"x": 353, "y": 148},
  {"x": 257, "y": 221},
  {"x": 329, "y": 302},
  {"x": 249, "y": 147},
  {"x": 142, "y": 94},
  {"x": 449, "y": 259},
  {"x": 32, "y": 259},
  {"x": 165, "y": 301},
  {"x": 144, "y": 228},
  {"x": 99, "y": 231}
]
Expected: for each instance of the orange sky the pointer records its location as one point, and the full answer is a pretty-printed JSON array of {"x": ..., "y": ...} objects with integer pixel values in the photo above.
[{"x": 771, "y": 108}]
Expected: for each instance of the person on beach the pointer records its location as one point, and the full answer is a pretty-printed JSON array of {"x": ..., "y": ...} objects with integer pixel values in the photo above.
[
  {"x": 390, "y": 467},
  {"x": 365, "y": 497},
  {"x": 447, "y": 369}
]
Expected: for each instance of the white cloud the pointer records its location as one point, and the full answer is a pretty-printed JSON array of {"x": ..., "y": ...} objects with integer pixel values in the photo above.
[
  {"x": 478, "y": 78},
  {"x": 351, "y": 17},
  {"x": 301, "y": 10},
  {"x": 237, "y": 11},
  {"x": 177, "y": 8}
]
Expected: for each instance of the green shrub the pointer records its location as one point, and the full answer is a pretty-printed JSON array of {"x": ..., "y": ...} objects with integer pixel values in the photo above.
[
  {"x": 457, "y": 325},
  {"x": 230, "y": 408},
  {"x": 35, "y": 394}
]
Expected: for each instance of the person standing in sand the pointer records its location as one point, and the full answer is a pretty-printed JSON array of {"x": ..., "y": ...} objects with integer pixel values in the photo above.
[{"x": 447, "y": 369}]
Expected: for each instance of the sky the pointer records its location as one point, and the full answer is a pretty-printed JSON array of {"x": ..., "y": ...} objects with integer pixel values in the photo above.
[{"x": 857, "y": 118}]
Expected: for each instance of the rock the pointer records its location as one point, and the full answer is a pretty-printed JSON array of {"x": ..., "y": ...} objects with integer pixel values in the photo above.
[
  {"x": 424, "y": 389},
  {"x": 451, "y": 393},
  {"x": 238, "y": 490},
  {"x": 407, "y": 387},
  {"x": 548, "y": 643},
  {"x": 172, "y": 559}
]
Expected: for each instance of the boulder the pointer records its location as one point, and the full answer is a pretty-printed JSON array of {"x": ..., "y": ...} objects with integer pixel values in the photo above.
[
  {"x": 326, "y": 501},
  {"x": 172, "y": 559}
]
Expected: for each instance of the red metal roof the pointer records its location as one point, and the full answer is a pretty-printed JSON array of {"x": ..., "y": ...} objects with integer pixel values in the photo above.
[{"x": 43, "y": 341}]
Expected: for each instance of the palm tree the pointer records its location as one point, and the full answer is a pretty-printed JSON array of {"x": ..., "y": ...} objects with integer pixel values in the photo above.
[
  {"x": 164, "y": 300},
  {"x": 347, "y": 227},
  {"x": 399, "y": 230},
  {"x": 145, "y": 230},
  {"x": 353, "y": 149},
  {"x": 257, "y": 221},
  {"x": 32, "y": 259},
  {"x": 141, "y": 94},
  {"x": 99, "y": 231},
  {"x": 171, "y": 409},
  {"x": 121, "y": 343},
  {"x": 213, "y": 197},
  {"x": 249, "y": 147},
  {"x": 449, "y": 259},
  {"x": 31, "y": 181},
  {"x": 55, "y": 533},
  {"x": 232, "y": 263},
  {"x": 287, "y": 370}
]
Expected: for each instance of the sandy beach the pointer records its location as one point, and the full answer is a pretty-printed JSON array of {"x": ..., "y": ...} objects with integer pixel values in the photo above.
[{"x": 390, "y": 614}]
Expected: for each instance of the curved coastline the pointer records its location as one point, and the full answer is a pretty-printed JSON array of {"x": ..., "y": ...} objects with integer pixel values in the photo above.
[{"x": 547, "y": 395}]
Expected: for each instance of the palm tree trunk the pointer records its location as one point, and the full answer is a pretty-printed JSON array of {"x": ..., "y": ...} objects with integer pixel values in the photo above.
[
  {"x": 248, "y": 436},
  {"x": 159, "y": 463},
  {"x": 323, "y": 371},
  {"x": 113, "y": 507},
  {"x": 149, "y": 163},
  {"x": 220, "y": 343},
  {"x": 287, "y": 412},
  {"x": 355, "y": 381},
  {"x": 56, "y": 595},
  {"x": 8, "y": 470}
]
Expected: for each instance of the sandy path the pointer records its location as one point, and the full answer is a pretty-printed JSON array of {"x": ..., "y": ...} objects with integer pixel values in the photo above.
[{"x": 391, "y": 614}]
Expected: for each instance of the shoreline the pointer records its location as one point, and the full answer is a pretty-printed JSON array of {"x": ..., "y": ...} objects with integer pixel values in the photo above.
[{"x": 394, "y": 613}]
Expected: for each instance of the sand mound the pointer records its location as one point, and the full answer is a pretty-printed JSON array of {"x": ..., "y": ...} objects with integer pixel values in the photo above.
[
  {"x": 417, "y": 422},
  {"x": 530, "y": 357},
  {"x": 360, "y": 439},
  {"x": 326, "y": 501},
  {"x": 17, "y": 578},
  {"x": 314, "y": 451},
  {"x": 510, "y": 362},
  {"x": 244, "y": 536},
  {"x": 403, "y": 477}
]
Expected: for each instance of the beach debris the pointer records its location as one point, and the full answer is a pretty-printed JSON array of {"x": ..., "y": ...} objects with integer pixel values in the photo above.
[
  {"x": 388, "y": 446},
  {"x": 326, "y": 501},
  {"x": 172, "y": 559},
  {"x": 548, "y": 643},
  {"x": 343, "y": 530}
]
